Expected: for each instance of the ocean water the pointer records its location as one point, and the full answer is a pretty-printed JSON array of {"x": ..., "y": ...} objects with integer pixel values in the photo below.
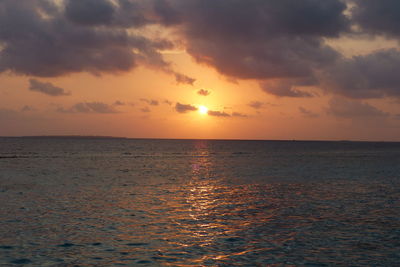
[{"x": 125, "y": 202}]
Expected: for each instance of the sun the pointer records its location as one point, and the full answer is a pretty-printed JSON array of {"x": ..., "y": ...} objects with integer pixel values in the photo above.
[{"x": 203, "y": 110}]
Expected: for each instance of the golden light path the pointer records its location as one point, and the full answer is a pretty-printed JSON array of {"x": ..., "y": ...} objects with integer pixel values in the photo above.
[{"x": 203, "y": 110}]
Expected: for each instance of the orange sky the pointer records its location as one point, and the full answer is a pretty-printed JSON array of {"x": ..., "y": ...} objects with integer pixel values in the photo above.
[{"x": 142, "y": 102}]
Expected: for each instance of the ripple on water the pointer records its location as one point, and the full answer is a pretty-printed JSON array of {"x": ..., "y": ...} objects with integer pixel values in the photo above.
[{"x": 21, "y": 261}]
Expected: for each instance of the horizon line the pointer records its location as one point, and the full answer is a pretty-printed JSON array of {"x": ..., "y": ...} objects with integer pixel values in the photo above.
[{"x": 189, "y": 139}]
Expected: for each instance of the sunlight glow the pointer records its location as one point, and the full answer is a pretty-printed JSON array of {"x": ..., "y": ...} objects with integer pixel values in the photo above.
[{"x": 203, "y": 110}]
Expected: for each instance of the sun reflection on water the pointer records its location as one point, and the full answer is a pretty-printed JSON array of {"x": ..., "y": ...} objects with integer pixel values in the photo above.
[{"x": 203, "y": 219}]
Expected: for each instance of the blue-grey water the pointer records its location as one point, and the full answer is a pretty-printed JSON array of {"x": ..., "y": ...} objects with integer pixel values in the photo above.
[{"x": 125, "y": 202}]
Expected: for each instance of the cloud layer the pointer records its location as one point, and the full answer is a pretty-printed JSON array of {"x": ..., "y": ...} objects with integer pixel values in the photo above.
[
  {"x": 46, "y": 38},
  {"x": 281, "y": 44},
  {"x": 289, "y": 50},
  {"x": 46, "y": 88}
]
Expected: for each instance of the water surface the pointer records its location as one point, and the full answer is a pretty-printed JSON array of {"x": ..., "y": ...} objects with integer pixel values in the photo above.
[{"x": 122, "y": 202}]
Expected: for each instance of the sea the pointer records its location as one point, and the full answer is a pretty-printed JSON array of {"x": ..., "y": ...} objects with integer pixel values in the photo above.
[{"x": 92, "y": 201}]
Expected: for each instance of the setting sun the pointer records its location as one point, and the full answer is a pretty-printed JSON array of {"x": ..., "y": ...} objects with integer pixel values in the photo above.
[{"x": 203, "y": 110}]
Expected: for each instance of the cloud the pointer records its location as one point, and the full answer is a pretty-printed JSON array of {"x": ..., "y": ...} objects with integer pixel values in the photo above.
[
  {"x": 90, "y": 12},
  {"x": 183, "y": 108},
  {"x": 280, "y": 44},
  {"x": 114, "y": 13},
  {"x": 284, "y": 88},
  {"x": 151, "y": 102},
  {"x": 167, "y": 14},
  {"x": 169, "y": 103},
  {"x": 42, "y": 42},
  {"x": 119, "y": 103},
  {"x": 368, "y": 76},
  {"x": 145, "y": 110},
  {"x": 53, "y": 38},
  {"x": 240, "y": 115},
  {"x": 46, "y": 88},
  {"x": 288, "y": 52},
  {"x": 378, "y": 17},
  {"x": 289, "y": 44},
  {"x": 223, "y": 114},
  {"x": 89, "y": 107},
  {"x": 256, "y": 104},
  {"x": 308, "y": 113},
  {"x": 203, "y": 92},
  {"x": 27, "y": 108},
  {"x": 218, "y": 113},
  {"x": 183, "y": 79},
  {"x": 259, "y": 105},
  {"x": 344, "y": 108}
]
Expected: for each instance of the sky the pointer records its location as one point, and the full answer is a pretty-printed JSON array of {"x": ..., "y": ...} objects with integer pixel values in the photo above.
[{"x": 213, "y": 69}]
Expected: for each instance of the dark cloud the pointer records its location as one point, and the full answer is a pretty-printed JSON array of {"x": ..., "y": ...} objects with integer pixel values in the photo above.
[
  {"x": 268, "y": 60},
  {"x": 90, "y": 12},
  {"x": 203, "y": 92},
  {"x": 238, "y": 114},
  {"x": 218, "y": 113},
  {"x": 284, "y": 88},
  {"x": 344, "y": 108},
  {"x": 256, "y": 104},
  {"x": 37, "y": 46},
  {"x": 378, "y": 17},
  {"x": 281, "y": 44},
  {"x": 289, "y": 50},
  {"x": 27, "y": 108},
  {"x": 223, "y": 114},
  {"x": 89, "y": 107},
  {"x": 167, "y": 14},
  {"x": 259, "y": 105},
  {"x": 243, "y": 18},
  {"x": 308, "y": 113},
  {"x": 229, "y": 35},
  {"x": 151, "y": 102},
  {"x": 119, "y": 103},
  {"x": 46, "y": 88},
  {"x": 183, "y": 79},
  {"x": 369, "y": 76},
  {"x": 145, "y": 110},
  {"x": 183, "y": 108},
  {"x": 169, "y": 103},
  {"x": 41, "y": 38},
  {"x": 120, "y": 13}
]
